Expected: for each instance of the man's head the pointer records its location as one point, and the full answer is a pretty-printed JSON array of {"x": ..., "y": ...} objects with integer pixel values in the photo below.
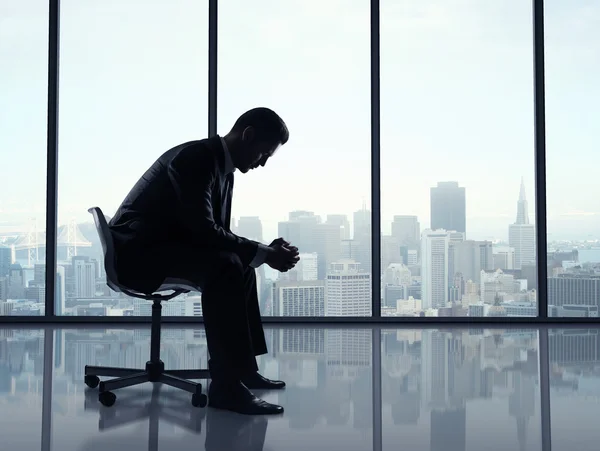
[{"x": 255, "y": 137}]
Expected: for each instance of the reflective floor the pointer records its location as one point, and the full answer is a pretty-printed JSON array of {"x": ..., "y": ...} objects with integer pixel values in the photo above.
[{"x": 348, "y": 389}]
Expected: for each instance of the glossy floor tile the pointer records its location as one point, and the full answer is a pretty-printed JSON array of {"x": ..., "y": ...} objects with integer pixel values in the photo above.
[{"x": 348, "y": 389}]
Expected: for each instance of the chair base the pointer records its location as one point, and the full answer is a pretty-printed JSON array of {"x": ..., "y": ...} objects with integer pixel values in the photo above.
[{"x": 154, "y": 372}]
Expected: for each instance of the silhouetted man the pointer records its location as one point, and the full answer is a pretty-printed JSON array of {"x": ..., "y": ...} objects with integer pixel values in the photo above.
[{"x": 175, "y": 223}]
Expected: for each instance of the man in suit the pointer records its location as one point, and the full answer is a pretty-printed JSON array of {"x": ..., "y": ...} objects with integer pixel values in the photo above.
[{"x": 175, "y": 222}]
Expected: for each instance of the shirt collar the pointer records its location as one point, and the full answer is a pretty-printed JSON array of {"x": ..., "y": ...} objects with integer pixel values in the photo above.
[{"x": 229, "y": 167}]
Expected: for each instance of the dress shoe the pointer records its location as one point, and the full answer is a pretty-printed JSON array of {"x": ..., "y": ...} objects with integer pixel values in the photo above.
[
  {"x": 237, "y": 398},
  {"x": 258, "y": 382}
]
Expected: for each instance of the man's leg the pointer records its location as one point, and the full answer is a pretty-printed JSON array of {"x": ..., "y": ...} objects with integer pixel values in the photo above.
[
  {"x": 257, "y": 332},
  {"x": 254, "y": 380},
  {"x": 229, "y": 336}
]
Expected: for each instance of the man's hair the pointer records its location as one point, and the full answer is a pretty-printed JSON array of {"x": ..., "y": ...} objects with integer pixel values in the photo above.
[{"x": 267, "y": 124}]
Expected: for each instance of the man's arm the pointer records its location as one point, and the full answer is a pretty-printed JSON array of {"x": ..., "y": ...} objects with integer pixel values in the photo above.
[
  {"x": 193, "y": 175},
  {"x": 260, "y": 257}
]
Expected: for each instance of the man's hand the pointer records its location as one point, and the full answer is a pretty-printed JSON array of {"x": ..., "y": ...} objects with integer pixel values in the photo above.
[
  {"x": 282, "y": 256},
  {"x": 281, "y": 242}
]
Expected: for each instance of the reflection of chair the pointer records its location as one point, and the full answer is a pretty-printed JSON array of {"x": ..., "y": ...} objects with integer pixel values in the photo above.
[
  {"x": 162, "y": 407},
  {"x": 224, "y": 430},
  {"x": 155, "y": 368}
]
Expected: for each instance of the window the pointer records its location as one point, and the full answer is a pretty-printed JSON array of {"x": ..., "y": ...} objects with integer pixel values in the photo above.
[
  {"x": 572, "y": 137},
  {"x": 24, "y": 94},
  {"x": 133, "y": 84},
  {"x": 457, "y": 159},
  {"x": 298, "y": 58}
]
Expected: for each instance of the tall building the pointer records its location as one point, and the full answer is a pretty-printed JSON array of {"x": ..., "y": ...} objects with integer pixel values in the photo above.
[
  {"x": 574, "y": 289},
  {"x": 250, "y": 227},
  {"x": 407, "y": 230},
  {"x": 504, "y": 257},
  {"x": 521, "y": 234},
  {"x": 39, "y": 273},
  {"x": 60, "y": 296},
  {"x": 469, "y": 258},
  {"x": 299, "y": 229},
  {"x": 3, "y": 288},
  {"x": 306, "y": 269},
  {"x": 362, "y": 223},
  {"x": 448, "y": 207},
  {"x": 327, "y": 244},
  {"x": 342, "y": 222},
  {"x": 299, "y": 298},
  {"x": 496, "y": 286},
  {"x": 16, "y": 282},
  {"x": 306, "y": 231},
  {"x": 362, "y": 237},
  {"x": 347, "y": 290},
  {"x": 397, "y": 274},
  {"x": 84, "y": 271},
  {"x": 390, "y": 251},
  {"x": 434, "y": 268},
  {"x": 5, "y": 260}
]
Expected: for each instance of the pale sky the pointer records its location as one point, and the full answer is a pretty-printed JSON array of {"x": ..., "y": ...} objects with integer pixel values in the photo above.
[{"x": 456, "y": 104}]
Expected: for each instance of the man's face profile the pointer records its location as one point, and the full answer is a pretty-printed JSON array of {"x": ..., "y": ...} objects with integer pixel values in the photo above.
[{"x": 256, "y": 153}]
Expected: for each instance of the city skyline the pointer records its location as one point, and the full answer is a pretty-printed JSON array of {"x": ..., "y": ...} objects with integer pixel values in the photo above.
[{"x": 423, "y": 272}]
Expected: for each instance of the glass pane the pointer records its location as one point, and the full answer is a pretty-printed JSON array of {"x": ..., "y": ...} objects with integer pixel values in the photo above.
[
  {"x": 572, "y": 137},
  {"x": 21, "y": 388},
  {"x": 133, "y": 84},
  {"x": 460, "y": 389},
  {"x": 457, "y": 159},
  {"x": 23, "y": 143},
  {"x": 298, "y": 58}
]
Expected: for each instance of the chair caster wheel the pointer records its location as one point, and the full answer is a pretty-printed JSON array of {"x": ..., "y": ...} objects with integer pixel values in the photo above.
[
  {"x": 92, "y": 381},
  {"x": 199, "y": 400},
  {"x": 107, "y": 398}
]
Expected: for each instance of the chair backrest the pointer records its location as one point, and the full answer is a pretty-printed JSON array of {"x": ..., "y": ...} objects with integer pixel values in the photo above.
[
  {"x": 110, "y": 266},
  {"x": 108, "y": 249}
]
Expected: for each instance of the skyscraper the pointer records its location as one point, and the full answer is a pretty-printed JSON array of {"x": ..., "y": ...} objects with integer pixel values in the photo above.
[
  {"x": 305, "y": 269},
  {"x": 347, "y": 290},
  {"x": 434, "y": 268},
  {"x": 448, "y": 207},
  {"x": 306, "y": 231},
  {"x": 469, "y": 258},
  {"x": 5, "y": 260},
  {"x": 85, "y": 277},
  {"x": 521, "y": 234},
  {"x": 407, "y": 230},
  {"x": 362, "y": 223},
  {"x": 342, "y": 222},
  {"x": 250, "y": 227},
  {"x": 299, "y": 298},
  {"x": 362, "y": 237}
]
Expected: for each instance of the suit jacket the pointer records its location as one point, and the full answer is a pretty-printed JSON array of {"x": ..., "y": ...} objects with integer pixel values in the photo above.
[{"x": 179, "y": 201}]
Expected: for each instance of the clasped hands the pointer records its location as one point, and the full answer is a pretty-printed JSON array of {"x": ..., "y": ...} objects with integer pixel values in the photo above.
[{"x": 282, "y": 256}]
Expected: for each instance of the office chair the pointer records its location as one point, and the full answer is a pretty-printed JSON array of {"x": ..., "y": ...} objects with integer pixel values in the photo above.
[{"x": 155, "y": 367}]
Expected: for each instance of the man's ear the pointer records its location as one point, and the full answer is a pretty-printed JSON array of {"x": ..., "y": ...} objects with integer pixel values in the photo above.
[{"x": 248, "y": 134}]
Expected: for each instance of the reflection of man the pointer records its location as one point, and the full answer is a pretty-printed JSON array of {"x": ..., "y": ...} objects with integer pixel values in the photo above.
[
  {"x": 175, "y": 223},
  {"x": 227, "y": 431}
]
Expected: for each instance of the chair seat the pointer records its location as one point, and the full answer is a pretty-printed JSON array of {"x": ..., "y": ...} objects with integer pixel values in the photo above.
[{"x": 172, "y": 284}]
